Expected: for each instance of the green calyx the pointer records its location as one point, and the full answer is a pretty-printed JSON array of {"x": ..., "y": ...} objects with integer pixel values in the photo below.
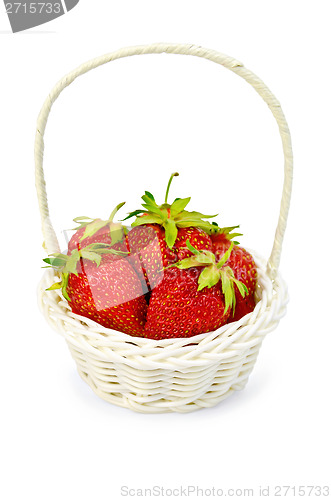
[
  {"x": 67, "y": 264},
  {"x": 92, "y": 226},
  {"x": 214, "y": 272},
  {"x": 228, "y": 282},
  {"x": 227, "y": 231},
  {"x": 170, "y": 216}
]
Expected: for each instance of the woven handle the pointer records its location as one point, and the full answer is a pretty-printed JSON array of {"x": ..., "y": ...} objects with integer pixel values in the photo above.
[{"x": 51, "y": 242}]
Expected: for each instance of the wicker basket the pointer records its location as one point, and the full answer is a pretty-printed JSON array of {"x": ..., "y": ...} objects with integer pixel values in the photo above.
[{"x": 179, "y": 375}]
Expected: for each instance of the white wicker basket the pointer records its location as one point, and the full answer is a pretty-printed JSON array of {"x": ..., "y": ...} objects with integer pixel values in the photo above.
[{"x": 175, "y": 374}]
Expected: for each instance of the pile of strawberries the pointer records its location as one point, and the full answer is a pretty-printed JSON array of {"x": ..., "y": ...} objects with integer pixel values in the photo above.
[{"x": 172, "y": 274}]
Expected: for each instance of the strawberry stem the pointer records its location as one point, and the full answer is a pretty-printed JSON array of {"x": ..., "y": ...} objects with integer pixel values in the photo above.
[{"x": 175, "y": 174}]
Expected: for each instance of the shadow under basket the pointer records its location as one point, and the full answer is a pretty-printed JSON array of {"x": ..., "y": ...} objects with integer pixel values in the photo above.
[{"x": 182, "y": 374}]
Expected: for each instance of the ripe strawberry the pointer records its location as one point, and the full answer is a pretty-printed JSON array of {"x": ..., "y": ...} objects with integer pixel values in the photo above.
[
  {"x": 104, "y": 288},
  {"x": 167, "y": 227},
  {"x": 191, "y": 300},
  {"x": 92, "y": 231}
]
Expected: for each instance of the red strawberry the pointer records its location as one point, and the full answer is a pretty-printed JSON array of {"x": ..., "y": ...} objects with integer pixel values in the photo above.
[
  {"x": 92, "y": 231},
  {"x": 178, "y": 309},
  {"x": 160, "y": 231},
  {"x": 105, "y": 289},
  {"x": 195, "y": 296}
]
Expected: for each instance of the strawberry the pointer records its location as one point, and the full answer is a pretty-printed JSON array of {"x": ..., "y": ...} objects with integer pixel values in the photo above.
[
  {"x": 100, "y": 285},
  {"x": 92, "y": 231},
  {"x": 160, "y": 231},
  {"x": 195, "y": 296}
]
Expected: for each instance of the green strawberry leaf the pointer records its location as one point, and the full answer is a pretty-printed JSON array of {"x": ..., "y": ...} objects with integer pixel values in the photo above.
[
  {"x": 149, "y": 200},
  {"x": 116, "y": 233},
  {"x": 55, "y": 261},
  {"x": 197, "y": 215},
  {"x": 225, "y": 256},
  {"x": 65, "y": 278},
  {"x": 209, "y": 277},
  {"x": 147, "y": 219},
  {"x": 206, "y": 257},
  {"x": 227, "y": 230},
  {"x": 82, "y": 218},
  {"x": 133, "y": 214},
  {"x": 179, "y": 205},
  {"x": 154, "y": 210},
  {"x": 200, "y": 258},
  {"x": 227, "y": 289},
  {"x": 147, "y": 193},
  {"x": 71, "y": 266},
  {"x": 205, "y": 225},
  {"x": 94, "y": 257},
  {"x": 55, "y": 286},
  {"x": 104, "y": 248},
  {"x": 170, "y": 232},
  {"x": 191, "y": 248},
  {"x": 228, "y": 282},
  {"x": 189, "y": 223},
  {"x": 82, "y": 222},
  {"x": 93, "y": 228},
  {"x": 243, "y": 290},
  {"x": 114, "y": 212},
  {"x": 187, "y": 263}
]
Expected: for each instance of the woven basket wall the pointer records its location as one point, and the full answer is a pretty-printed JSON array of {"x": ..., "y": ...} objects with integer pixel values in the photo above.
[{"x": 175, "y": 374}]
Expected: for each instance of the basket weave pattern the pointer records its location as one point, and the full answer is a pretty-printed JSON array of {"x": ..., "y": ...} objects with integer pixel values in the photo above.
[{"x": 173, "y": 374}]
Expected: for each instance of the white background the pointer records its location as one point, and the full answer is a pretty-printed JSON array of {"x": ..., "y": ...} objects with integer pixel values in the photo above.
[{"x": 123, "y": 129}]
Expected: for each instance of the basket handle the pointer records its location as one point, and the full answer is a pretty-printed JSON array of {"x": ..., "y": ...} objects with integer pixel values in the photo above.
[{"x": 51, "y": 243}]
